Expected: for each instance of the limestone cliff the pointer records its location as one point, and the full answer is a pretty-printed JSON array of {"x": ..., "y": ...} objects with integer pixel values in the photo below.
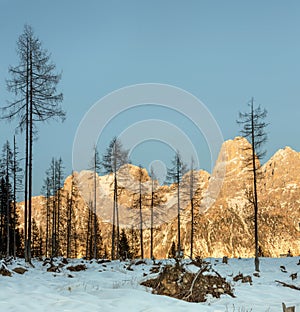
[{"x": 223, "y": 213}]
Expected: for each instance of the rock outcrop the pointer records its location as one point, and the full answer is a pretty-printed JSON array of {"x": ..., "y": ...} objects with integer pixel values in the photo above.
[{"x": 223, "y": 212}]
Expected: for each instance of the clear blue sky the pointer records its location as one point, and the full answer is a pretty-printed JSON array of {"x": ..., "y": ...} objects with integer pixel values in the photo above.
[{"x": 223, "y": 52}]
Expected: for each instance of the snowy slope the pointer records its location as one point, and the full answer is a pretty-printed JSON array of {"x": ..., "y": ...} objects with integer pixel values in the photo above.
[{"x": 111, "y": 287}]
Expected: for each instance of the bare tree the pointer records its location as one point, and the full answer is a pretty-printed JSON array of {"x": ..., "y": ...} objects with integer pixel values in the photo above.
[
  {"x": 72, "y": 199},
  {"x": 113, "y": 159},
  {"x": 253, "y": 128},
  {"x": 152, "y": 211},
  {"x": 139, "y": 197},
  {"x": 96, "y": 166},
  {"x": 192, "y": 193},
  {"x": 33, "y": 81},
  {"x": 6, "y": 172},
  {"x": 155, "y": 210},
  {"x": 46, "y": 191},
  {"x": 16, "y": 171},
  {"x": 174, "y": 175}
]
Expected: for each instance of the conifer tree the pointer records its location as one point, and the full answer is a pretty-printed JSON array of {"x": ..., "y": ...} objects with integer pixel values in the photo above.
[
  {"x": 33, "y": 81},
  {"x": 113, "y": 159},
  {"x": 174, "y": 175},
  {"x": 253, "y": 128},
  {"x": 155, "y": 209},
  {"x": 124, "y": 247}
]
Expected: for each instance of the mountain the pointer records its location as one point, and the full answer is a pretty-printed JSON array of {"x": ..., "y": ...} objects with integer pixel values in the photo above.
[{"x": 223, "y": 213}]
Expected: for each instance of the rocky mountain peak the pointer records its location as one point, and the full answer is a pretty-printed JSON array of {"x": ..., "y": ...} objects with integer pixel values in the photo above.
[{"x": 223, "y": 213}]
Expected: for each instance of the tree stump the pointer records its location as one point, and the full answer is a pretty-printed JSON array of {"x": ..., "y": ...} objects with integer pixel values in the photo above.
[{"x": 289, "y": 309}]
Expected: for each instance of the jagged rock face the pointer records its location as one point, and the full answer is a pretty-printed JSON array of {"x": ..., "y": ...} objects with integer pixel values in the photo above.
[
  {"x": 280, "y": 204},
  {"x": 223, "y": 214}
]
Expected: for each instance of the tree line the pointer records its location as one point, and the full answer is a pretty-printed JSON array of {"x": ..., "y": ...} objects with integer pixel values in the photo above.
[{"x": 33, "y": 83}]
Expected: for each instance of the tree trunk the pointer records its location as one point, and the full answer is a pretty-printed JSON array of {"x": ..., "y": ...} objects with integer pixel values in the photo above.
[
  {"x": 26, "y": 157},
  {"x": 30, "y": 160},
  {"x": 7, "y": 205},
  {"x": 95, "y": 210},
  {"x": 192, "y": 208},
  {"x": 141, "y": 222},
  {"x": 47, "y": 221},
  {"x": 14, "y": 199},
  {"x": 151, "y": 229},
  {"x": 192, "y": 227},
  {"x": 178, "y": 216},
  {"x": 114, "y": 220},
  {"x": 256, "y": 260}
]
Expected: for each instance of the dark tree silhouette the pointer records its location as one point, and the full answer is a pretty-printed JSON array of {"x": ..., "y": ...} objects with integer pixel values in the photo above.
[
  {"x": 10, "y": 183},
  {"x": 113, "y": 159},
  {"x": 46, "y": 191},
  {"x": 124, "y": 247},
  {"x": 72, "y": 204},
  {"x": 96, "y": 167},
  {"x": 253, "y": 128},
  {"x": 33, "y": 82},
  {"x": 192, "y": 190},
  {"x": 155, "y": 209},
  {"x": 172, "y": 252},
  {"x": 175, "y": 174}
]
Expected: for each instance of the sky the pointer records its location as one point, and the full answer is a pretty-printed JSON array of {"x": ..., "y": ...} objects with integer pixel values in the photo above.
[{"x": 221, "y": 52}]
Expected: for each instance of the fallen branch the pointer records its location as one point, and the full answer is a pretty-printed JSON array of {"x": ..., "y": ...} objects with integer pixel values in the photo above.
[
  {"x": 288, "y": 285},
  {"x": 190, "y": 292}
]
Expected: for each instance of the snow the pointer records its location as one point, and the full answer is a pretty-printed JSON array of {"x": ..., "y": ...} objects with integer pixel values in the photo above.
[{"x": 111, "y": 287}]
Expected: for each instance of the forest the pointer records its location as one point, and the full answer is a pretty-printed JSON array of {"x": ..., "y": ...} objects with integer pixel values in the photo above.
[{"x": 33, "y": 84}]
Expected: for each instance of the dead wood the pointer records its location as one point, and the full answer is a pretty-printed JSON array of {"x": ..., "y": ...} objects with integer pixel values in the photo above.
[{"x": 288, "y": 285}]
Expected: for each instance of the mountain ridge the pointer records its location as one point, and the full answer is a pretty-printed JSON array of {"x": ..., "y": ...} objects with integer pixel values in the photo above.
[{"x": 223, "y": 215}]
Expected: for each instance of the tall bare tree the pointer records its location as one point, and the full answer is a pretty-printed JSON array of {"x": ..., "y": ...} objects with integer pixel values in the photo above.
[
  {"x": 46, "y": 191},
  {"x": 156, "y": 210},
  {"x": 6, "y": 172},
  {"x": 152, "y": 174},
  {"x": 115, "y": 157},
  {"x": 174, "y": 175},
  {"x": 72, "y": 204},
  {"x": 33, "y": 82},
  {"x": 253, "y": 128},
  {"x": 17, "y": 186},
  {"x": 96, "y": 166},
  {"x": 139, "y": 199},
  {"x": 192, "y": 202}
]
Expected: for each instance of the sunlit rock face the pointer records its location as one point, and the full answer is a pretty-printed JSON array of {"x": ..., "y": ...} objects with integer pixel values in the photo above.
[{"x": 223, "y": 223}]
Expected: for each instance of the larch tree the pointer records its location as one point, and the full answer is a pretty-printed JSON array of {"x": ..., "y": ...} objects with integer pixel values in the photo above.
[
  {"x": 72, "y": 205},
  {"x": 96, "y": 167},
  {"x": 6, "y": 166},
  {"x": 152, "y": 203},
  {"x": 192, "y": 203},
  {"x": 59, "y": 183},
  {"x": 52, "y": 190},
  {"x": 17, "y": 186},
  {"x": 46, "y": 191},
  {"x": 254, "y": 129},
  {"x": 139, "y": 199},
  {"x": 115, "y": 157},
  {"x": 174, "y": 175},
  {"x": 34, "y": 83},
  {"x": 155, "y": 209}
]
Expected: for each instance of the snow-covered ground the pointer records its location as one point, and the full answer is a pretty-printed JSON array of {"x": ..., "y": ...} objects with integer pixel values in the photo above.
[{"x": 111, "y": 287}]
